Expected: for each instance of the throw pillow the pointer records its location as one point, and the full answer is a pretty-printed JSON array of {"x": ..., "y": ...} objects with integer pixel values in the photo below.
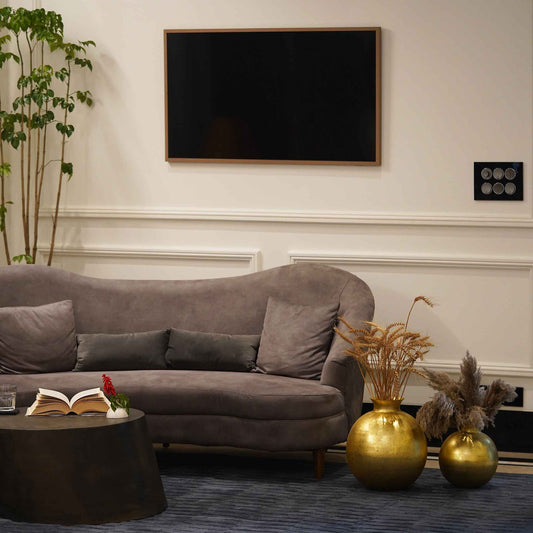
[
  {"x": 122, "y": 351},
  {"x": 295, "y": 339},
  {"x": 37, "y": 339},
  {"x": 195, "y": 350}
]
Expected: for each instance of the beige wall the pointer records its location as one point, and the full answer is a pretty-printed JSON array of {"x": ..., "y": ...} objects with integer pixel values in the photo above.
[{"x": 457, "y": 88}]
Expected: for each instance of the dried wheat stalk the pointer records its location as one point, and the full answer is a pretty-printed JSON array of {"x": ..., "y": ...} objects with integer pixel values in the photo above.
[{"x": 386, "y": 355}]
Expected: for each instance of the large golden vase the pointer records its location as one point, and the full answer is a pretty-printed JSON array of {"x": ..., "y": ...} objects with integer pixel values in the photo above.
[
  {"x": 386, "y": 448},
  {"x": 468, "y": 458}
]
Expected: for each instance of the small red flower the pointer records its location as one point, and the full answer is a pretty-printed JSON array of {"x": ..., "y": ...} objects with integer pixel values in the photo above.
[
  {"x": 115, "y": 399},
  {"x": 108, "y": 385}
]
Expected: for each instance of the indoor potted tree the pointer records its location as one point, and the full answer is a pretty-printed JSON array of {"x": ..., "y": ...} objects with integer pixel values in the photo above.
[{"x": 45, "y": 99}]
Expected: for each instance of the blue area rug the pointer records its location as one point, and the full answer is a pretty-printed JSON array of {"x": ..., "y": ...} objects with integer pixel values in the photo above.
[{"x": 216, "y": 493}]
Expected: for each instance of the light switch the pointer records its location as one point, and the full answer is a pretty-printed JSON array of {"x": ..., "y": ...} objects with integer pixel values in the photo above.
[{"x": 498, "y": 181}]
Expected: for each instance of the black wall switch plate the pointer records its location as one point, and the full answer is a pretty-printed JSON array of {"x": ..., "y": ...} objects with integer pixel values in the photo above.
[
  {"x": 519, "y": 400},
  {"x": 500, "y": 181}
]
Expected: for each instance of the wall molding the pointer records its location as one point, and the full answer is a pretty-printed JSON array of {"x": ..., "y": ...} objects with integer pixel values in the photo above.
[
  {"x": 489, "y": 369},
  {"x": 251, "y": 257},
  {"x": 296, "y": 217},
  {"x": 503, "y": 262},
  {"x": 506, "y": 263}
]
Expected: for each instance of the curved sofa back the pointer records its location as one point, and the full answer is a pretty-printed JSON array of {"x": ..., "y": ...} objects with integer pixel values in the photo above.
[{"x": 234, "y": 305}]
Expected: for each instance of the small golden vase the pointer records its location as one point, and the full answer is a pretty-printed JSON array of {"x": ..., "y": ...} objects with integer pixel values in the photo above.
[
  {"x": 386, "y": 448},
  {"x": 468, "y": 458}
]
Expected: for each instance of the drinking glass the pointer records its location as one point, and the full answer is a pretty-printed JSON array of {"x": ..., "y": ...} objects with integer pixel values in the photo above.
[{"x": 8, "y": 395}]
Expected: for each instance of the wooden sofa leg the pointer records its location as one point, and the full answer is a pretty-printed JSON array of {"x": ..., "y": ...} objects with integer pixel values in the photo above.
[{"x": 318, "y": 460}]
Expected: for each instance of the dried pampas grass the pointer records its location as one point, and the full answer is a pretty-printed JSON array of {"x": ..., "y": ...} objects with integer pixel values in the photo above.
[
  {"x": 386, "y": 355},
  {"x": 462, "y": 403}
]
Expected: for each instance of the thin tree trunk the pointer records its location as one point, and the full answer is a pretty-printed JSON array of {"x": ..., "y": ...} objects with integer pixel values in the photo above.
[
  {"x": 28, "y": 156},
  {"x": 58, "y": 198},
  {"x": 3, "y": 199},
  {"x": 39, "y": 192},
  {"x": 25, "y": 220},
  {"x": 38, "y": 180},
  {"x": 35, "y": 196}
]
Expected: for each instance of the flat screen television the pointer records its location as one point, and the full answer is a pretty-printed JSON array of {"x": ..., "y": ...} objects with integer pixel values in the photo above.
[{"x": 274, "y": 95}]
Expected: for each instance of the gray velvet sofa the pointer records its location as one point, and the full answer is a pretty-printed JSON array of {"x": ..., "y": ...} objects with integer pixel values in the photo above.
[{"x": 240, "y": 409}]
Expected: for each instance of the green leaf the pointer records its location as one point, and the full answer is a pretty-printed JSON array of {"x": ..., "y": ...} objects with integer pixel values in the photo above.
[
  {"x": 5, "y": 169},
  {"x": 23, "y": 257},
  {"x": 66, "y": 168},
  {"x": 3, "y": 213}
]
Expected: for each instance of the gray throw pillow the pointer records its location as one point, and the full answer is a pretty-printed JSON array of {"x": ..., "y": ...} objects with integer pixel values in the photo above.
[
  {"x": 195, "y": 350},
  {"x": 37, "y": 339},
  {"x": 122, "y": 351},
  {"x": 295, "y": 339}
]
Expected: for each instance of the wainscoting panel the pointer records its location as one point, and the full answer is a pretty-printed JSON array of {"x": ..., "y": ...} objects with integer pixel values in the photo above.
[
  {"x": 483, "y": 305},
  {"x": 164, "y": 263}
]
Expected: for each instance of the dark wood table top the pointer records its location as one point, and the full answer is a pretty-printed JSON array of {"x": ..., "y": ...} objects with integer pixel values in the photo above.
[{"x": 21, "y": 422}]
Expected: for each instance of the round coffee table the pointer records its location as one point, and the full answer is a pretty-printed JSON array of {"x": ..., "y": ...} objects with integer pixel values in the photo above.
[{"x": 78, "y": 469}]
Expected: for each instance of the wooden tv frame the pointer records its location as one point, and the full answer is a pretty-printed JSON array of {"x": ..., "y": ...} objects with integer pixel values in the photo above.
[{"x": 375, "y": 162}]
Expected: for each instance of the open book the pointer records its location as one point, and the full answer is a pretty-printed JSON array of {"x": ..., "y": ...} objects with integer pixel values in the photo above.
[{"x": 52, "y": 402}]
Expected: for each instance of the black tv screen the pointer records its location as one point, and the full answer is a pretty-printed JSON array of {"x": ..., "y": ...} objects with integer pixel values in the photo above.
[{"x": 273, "y": 96}]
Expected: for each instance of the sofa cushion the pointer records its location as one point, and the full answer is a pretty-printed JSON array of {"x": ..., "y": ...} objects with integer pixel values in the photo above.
[
  {"x": 37, "y": 339},
  {"x": 295, "y": 339},
  {"x": 122, "y": 351},
  {"x": 195, "y": 350},
  {"x": 199, "y": 392}
]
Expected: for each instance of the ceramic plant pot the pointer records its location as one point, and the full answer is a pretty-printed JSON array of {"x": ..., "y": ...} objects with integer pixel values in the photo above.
[
  {"x": 119, "y": 412},
  {"x": 386, "y": 448},
  {"x": 468, "y": 458}
]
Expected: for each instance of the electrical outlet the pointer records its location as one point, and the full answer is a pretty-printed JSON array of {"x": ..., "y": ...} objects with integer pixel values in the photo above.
[{"x": 499, "y": 181}]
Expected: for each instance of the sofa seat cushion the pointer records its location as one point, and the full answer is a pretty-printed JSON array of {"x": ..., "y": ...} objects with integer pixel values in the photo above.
[{"x": 197, "y": 392}]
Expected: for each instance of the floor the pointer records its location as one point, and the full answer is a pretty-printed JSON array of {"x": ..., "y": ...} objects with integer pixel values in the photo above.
[{"x": 511, "y": 463}]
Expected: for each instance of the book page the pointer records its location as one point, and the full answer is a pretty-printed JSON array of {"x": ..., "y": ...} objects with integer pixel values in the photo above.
[
  {"x": 81, "y": 394},
  {"x": 54, "y": 394},
  {"x": 94, "y": 405},
  {"x": 49, "y": 408},
  {"x": 98, "y": 397}
]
